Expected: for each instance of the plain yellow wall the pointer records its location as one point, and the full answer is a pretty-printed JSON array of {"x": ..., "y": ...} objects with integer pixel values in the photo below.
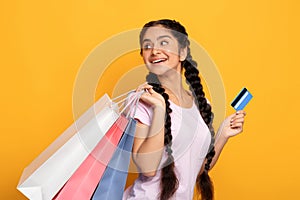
[{"x": 254, "y": 43}]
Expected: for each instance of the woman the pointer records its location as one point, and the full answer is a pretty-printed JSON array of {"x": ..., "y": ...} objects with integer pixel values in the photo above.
[{"x": 174, "y": 147}]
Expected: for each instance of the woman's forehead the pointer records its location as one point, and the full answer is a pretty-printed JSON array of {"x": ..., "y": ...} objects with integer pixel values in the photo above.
[{"x": 156, "y": 32}]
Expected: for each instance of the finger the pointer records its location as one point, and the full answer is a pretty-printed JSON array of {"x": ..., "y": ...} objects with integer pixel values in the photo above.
[
  {"x": 241, "y": 112},
  {"x": 236, "y": 125},
  {"x": 145, "y": 95},
  {"x": 237, "y": 118},
  {"x": 143, "y": 87},
  {"x": 237, "y": 121},
  {"x": 237, "y": 115},
  {"x": 148, "y": 87},
  {"x": 150, "y": 90},
  {"x": 231, "y": 116}
]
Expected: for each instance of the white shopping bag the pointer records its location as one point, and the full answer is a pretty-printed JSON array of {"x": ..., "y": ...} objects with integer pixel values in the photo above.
[{"x": 47, "y": 174}]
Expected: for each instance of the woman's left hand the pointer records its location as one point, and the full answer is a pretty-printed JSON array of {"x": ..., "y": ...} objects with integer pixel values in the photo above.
[{"x": 233, "y": 124}]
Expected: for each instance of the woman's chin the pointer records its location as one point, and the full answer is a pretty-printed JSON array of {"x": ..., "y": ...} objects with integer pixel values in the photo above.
[
  {"x": 158, "y": 69},
  {"x": 158, "y": 72}
]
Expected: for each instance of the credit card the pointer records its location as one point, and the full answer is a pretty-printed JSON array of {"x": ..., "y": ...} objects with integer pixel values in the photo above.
[{"x": 241, "y": 100}]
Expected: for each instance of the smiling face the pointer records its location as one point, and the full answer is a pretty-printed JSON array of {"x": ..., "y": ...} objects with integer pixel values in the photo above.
[{"x": 160, "y": 51}]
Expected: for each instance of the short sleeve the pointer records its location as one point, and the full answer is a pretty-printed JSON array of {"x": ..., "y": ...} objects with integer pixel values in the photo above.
[{"x": 143, "y": 112}]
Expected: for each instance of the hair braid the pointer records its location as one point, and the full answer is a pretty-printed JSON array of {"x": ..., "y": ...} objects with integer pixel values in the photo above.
[
  {"x": 204, "y": 183},
  {"x": 169, "y": 181}
]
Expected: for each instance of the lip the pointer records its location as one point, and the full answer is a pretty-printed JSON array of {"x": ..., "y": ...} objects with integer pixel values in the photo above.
[{"x": 157, "y": 60}]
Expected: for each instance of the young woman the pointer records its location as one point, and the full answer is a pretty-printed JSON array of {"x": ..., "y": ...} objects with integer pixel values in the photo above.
[{"x": 174, "y": 147}]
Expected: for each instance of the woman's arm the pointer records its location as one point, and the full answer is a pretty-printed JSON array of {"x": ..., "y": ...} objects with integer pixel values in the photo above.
[
  {"x": 231, "y": 126},
  {"x": 149, "y": 140},
  {"x": 148, "y": 144}
]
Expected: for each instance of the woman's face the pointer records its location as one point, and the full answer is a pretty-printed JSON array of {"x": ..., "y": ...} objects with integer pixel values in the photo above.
[{"x": 160, "y": 51}]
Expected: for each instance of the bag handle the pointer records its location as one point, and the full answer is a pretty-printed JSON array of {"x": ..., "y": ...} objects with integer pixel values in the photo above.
[
  {"x": 121, "y": 95},
  {"x": 133, "y": 100},
  {"x": 134, "y": 104}
]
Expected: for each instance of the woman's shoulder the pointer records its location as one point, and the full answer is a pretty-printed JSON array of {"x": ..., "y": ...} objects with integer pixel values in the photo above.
[{"x": 141, "y": 110}]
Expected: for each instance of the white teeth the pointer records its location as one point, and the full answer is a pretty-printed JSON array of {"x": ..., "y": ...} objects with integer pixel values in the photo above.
[{"x": 157, "y": 61}]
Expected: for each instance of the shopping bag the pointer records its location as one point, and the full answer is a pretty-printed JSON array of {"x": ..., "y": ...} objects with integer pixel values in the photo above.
[
  {"x": 47, "y": 174},
  {"x": 113, "y": 181},
  {"x": 83, "y": 182}
]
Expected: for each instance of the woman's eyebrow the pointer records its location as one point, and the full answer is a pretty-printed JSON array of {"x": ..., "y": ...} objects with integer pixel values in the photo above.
[
  {"x": 162, "y": 36},
  {"x": 146, "y": 40},
  {"x": 158, "y": 38}
]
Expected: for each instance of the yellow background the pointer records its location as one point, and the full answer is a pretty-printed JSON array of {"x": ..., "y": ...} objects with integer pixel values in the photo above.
[{"x": 254, "y": 43}]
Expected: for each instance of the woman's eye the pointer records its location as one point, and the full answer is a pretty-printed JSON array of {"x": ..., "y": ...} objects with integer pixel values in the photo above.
[
  {"x": 147, "y": 46},
  {"x": 164, "y": 43}
]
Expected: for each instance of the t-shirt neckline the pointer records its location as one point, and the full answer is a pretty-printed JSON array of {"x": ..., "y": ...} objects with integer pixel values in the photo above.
[{"x": 184, "y": 108}]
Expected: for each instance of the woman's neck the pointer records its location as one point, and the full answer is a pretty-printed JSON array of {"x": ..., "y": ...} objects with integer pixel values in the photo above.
[{"x": 172, "y": 83}]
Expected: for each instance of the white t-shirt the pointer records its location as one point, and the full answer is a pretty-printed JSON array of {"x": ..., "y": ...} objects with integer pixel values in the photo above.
[{"x": 191, "y": 140}]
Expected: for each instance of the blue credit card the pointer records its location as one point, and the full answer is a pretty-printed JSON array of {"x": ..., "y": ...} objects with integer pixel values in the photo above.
[{"x": 241, "y": 100}]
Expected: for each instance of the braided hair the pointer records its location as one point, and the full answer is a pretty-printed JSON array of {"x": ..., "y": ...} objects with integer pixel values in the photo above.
[{"x": 169, "y": 182}]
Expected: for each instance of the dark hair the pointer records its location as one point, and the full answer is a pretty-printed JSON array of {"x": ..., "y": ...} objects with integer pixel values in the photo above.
[{"x": 169, "y": 181}]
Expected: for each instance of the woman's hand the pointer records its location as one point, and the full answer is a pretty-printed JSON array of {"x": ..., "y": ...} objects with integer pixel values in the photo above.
[
  {"x": 233, "y": 124},
  {"x": 150, "y": 96}
]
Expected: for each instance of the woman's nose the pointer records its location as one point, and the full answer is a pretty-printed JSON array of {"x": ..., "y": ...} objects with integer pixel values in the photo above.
[{"x": 156, "y": 50}]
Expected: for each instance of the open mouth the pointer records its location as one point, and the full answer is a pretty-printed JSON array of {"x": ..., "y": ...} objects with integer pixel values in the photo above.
[{"x": 158, "y": 60}]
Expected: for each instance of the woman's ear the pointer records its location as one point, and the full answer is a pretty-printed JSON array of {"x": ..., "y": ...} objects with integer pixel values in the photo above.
[{"x": 183, "y": 54}]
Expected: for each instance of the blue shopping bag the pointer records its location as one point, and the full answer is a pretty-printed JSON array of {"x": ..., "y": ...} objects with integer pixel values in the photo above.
[{"x": 112, "y": 183}]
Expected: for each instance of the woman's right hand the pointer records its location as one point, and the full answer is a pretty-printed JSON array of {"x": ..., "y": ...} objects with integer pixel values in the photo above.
[{"x": 150, "y": 96}]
